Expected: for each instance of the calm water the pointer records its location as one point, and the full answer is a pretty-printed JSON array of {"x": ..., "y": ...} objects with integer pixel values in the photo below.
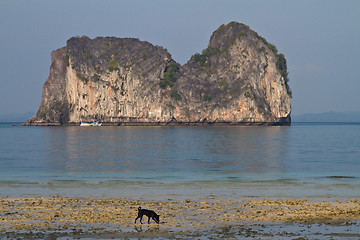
[{"x": 306, "y": 159}]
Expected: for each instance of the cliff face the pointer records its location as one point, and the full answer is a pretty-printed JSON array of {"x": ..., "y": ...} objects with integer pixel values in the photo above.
[{"x": 239, "y": 79}]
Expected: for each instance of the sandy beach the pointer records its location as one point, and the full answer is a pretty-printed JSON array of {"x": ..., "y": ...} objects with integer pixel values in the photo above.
[{"x": 208, "y": 217}]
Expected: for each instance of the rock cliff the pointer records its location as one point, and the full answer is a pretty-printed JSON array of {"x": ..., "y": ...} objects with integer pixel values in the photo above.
[{"x": 238, "y": 79}]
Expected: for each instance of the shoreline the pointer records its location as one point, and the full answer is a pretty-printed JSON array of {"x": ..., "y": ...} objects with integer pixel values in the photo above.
[
  {"x": 202, "y": 217},
  {"x": 280, "y": 122}
]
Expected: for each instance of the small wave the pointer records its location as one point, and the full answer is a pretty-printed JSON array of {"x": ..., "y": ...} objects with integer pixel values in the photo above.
[
  {"x": 340, "y": 177},
  {"x": 17, "y": 183}
]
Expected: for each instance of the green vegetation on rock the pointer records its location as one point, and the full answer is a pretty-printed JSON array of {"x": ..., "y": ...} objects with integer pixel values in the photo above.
[
  {"x": 282, "y": 66},
  {"x": 247, "y": 94},
  {"x": 206, "y": 53},
  {"x": 104, "y": 46},
  {"x": 206, "y": 98},
  {"x": 237, "y": 36},
  {"x": 175, "y": 95},
  {"x": 67, "y": 58},
  {"x": 95, "y": 77},
  {"x": 113, "y": 65},
  {"x": 169, "y": 77},
  {"x": 232, "y": 92},
  {"x": 272, "y": 47},
  {"x": 82, "y": 77},
  {"x": 88, "y": 55},
  {"x": 222, "y": 83}
]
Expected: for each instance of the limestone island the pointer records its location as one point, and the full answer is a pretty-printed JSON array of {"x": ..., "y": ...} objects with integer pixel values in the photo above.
[{"x": 239, "y": 79}]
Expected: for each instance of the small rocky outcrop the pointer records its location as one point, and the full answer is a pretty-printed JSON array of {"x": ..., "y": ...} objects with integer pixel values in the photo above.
[{"x": 238, "y": 79}]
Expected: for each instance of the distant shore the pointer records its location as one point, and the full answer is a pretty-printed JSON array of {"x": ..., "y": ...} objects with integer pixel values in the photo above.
[{"x": 43, "y": 217}]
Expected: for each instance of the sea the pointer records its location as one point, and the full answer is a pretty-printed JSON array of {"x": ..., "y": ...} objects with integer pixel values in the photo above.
[{"x": 304, "y": 160}]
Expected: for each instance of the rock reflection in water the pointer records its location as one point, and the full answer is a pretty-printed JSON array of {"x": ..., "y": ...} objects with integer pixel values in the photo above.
[{"x": 167, "y": 150}]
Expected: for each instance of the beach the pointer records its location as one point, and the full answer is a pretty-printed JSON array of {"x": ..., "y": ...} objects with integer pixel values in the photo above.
[{"x": 207, "y": 217}]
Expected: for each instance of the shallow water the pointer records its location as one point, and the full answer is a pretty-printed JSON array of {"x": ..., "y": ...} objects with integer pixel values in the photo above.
[{"x": 306, "y": 159}]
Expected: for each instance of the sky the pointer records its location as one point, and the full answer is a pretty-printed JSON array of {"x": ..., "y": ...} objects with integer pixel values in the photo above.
[{"x": 319, "y": 38}]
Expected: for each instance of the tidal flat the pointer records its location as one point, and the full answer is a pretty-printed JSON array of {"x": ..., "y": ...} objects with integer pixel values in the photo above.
[{"x": 208, "y": 217}]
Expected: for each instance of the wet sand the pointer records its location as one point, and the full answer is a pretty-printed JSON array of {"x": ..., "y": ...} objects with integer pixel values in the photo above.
[{"x": 205, "y": 218}]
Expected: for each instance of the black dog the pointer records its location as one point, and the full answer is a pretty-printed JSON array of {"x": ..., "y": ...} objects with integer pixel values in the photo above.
[{"x": 148, "y": 213}]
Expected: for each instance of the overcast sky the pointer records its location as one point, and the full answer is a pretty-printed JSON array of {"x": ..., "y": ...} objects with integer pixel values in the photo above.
[{"x": 319, "y": 38}]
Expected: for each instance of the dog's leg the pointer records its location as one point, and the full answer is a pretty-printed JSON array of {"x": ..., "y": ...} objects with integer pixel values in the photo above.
[{"x": 149, "y": 219}]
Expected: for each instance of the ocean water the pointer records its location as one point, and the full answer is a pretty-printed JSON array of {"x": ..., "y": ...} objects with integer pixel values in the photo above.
[{"x": 304, "y": 160}]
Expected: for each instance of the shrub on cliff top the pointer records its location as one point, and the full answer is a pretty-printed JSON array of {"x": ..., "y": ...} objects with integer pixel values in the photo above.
[
  {"x": 199, "y": 58},
  {"x": 272, "y": 47},
  {"x": 206, "y": 53}
]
